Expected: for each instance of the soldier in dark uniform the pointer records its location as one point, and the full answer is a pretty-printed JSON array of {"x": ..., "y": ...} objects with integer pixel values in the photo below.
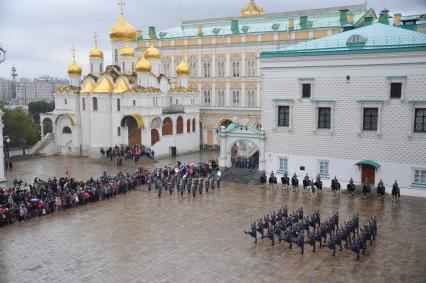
[
  {"x": 301, "y": 241},
  {"x": 380, "y": 191},
  {"x": 207, "y": 184},
  {"x": 189, "y": 185},
  {"x": 356, "y": 247},
  {"x": 149, "y": 183},
  {"x": 252, "y": 232},
  {"x": 306, "y": 182},
  {"x": 260, "y": 227},
  {"x": 159, "y": 187},
  {"x": 332, "y": 243},
  {"x": 351, "y": 187},
  {"x": 194, "y": 187},
  {"x": 295, "y": 182},
  {"x": 271, "y": 233},
  {"x": 395, "y": 192},
  {"x": 170, "y": 185},
  {"x": 200, "y": 186},
  {"x": 312, "y": 239},
  {"x": 366, "y": 188}
]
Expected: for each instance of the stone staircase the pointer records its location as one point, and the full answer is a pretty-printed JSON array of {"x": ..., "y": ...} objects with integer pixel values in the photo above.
[{"x": 241, "y": 175}]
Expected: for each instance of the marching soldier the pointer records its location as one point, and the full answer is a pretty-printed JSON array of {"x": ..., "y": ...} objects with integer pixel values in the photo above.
[
  {"x": 351, "y": 187},
  {"x": 301, "y": 241},
  {"x": 252, "y": 232}
]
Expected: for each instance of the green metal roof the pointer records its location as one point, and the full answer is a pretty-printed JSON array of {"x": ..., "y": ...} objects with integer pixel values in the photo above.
[
  {"x": 259, "y": 24},
  {"x": 369, "y": 162},
  {"x": 372, "y": 38}
]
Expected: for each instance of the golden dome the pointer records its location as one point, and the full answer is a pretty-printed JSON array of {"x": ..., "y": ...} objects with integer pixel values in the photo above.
[
  {"x": 96, "y": 53},
  {"x": 74, "y": 69},
  {"x": 143, "y": 66},
  {"x": 105, "y": 85},
  {"x": 251, "y": 9},
  {"x": 121, "y": 86},
  {"x": 152, "y": 52},
  {"x": 182, "y": 68},
  {"x": 127, "y": 51},
  {"x": 122, "y": 31}
]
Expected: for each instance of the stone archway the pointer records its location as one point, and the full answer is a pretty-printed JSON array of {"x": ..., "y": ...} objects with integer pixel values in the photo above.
[
  {"x": 241, "y": 132},
  {"x": 134, "y": 126},
  {"x": 46, "y": 126}
]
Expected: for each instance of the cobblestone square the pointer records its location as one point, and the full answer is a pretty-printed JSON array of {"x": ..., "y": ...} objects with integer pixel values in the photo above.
[{"x": 140, "y": 238}]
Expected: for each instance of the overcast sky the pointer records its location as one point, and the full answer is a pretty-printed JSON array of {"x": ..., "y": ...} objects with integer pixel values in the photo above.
[{"x": 38, "y": 34}]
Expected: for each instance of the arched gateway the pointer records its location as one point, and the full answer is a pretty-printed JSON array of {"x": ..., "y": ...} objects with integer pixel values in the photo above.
[{"x": 238, "y": 132}]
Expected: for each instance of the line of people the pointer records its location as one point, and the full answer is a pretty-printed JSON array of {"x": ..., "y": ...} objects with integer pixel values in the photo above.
[
  {"x": 127, "y": 152},
  {"x": 291, "y": 229},
  {"x": 244, "y": 162},
  {"x": 25, "y": 201},
  {"x": 192, "y": 179},
  {"x": 311, "y": 185}
]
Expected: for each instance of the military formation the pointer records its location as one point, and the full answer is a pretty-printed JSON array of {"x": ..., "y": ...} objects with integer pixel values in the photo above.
[
  {"x": 184, "y": 180},
  {"x": 312, "y": 186},
  {"x": 300, "y": 229}
]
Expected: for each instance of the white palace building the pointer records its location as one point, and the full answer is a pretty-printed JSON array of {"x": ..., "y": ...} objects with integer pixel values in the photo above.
[
  {"x": 129, "y": 102},
  {"x": 351, "y": 105}
]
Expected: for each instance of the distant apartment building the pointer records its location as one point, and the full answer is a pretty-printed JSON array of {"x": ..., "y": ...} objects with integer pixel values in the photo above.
[{"x": 37, "y": 89}]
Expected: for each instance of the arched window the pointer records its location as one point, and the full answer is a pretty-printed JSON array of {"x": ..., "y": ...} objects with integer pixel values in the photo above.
[
  {"x": 179, "y": 125},
  {"x": 118, "y": 104},
  {"x": 188, "y": 125},
  {"x": 155, "y": 136},
  {"x": 193, "y": 125},
  {"x": 167, "y": 127},
  {"x": 66, "y": 130},
  {"x": 95, "y": 104}
]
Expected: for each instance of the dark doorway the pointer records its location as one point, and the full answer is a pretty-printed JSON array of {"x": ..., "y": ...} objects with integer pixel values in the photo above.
[
  {"x": 369, "y": 173},
  {"x": 134, "y": 133}
]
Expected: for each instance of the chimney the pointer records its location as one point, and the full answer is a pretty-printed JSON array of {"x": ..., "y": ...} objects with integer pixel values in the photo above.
[
  {"x": 234, "y": 27},
  {"x": 368, "y": 20},
  {"x": 291, "y": 24},
  {"x": 350, "y": 18},
  {"x": 384, "y": 16},
  {"x": 397, "y": 19},
  {"x": 152, "y": 33},
  {"x": 303, "y": 22},
  {"x": 343, "y": 17}
]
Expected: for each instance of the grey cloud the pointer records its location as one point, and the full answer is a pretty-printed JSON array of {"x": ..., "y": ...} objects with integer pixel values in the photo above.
[{"x": 39, "y": 34}]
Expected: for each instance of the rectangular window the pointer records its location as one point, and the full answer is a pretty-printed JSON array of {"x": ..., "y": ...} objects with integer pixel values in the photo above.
[
  {"x": 235, "y": 68},
  {"x": 220, "y": 97},
  {"x": 396, "y": 89},
  {"x": 324, "y": 118},
  {"x": 235, "y": 97},
  {"x": 251, "y": 67},
  {"x": 83, "y": 102},
  {"x": 370, "y": 119},
  {"x": 251, "y": 98},
  {"x": 193, "y": 66},
  {"x": 420, "y": 120},
  {"x": 206, "y": 69},
  {"x": 420, "y": 177},
  {"x": 283, "y": 116},
  {"x": 220, "y": 72},
  {"x": 283, "y": 164},
  {"x": 306, "y": 90},
  {"x": 324, "y": 168},
  {"x": 207, "y": 97}
]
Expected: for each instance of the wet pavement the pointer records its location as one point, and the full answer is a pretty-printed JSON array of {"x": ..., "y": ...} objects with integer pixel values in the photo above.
[{"x": 140, "y": 238}]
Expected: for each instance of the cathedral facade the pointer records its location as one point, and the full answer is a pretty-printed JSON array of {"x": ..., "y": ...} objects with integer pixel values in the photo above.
[{"x": 129, "y": 102}]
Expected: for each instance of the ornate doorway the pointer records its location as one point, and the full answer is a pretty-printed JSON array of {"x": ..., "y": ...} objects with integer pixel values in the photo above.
[{"x": 133, "y": 130}]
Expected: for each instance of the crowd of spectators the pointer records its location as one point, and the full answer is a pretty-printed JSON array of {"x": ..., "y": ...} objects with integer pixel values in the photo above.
[{"x": 127, "y": 152}]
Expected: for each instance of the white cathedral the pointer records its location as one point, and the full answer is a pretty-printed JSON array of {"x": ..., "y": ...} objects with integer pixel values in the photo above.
[{"x": 129, "y": 102}]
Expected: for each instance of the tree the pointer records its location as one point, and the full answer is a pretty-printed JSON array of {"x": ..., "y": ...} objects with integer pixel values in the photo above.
[
  {"x": 20, "y": 128},
  {"x": 37, "y": 107}
]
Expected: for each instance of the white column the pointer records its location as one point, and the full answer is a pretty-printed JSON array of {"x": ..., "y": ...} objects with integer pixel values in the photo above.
[
  {"x": 243, "y": 95},
  {"x": 213, "y": 69},
  {"x": 228, "y": 65},
  {"x": 213, "y": 94},
  {"x": 2, "y": 175},
  {"x": 228, "y": 101}
]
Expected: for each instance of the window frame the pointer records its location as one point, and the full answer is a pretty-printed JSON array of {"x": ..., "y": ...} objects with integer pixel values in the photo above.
[
  {"x": 286, "y": 125},
  {"x": 371, "y": 104},
  {"x": 283, "y": 102},
  {"x": 413, "y": 179},
  {"x": 279, "y": 170},
  {"x": 235, "y": 96},
  {"x": 251, "y": 97},
  {"x": 328, "y": 168},
  {"x": 364, "y": 114},
  {"x": 414, "y": 120},
  {"x": 400, "y": 90},
  {"x": 396, "y": 79}
]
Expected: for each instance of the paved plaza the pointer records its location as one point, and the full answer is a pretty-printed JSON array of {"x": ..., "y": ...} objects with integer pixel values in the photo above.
[{"x": 140, "y": 238}]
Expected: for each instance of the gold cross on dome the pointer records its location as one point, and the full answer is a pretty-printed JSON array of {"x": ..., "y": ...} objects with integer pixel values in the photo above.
[
  {"x": 95, "y": 38},
  {"x": 122, "y": 4},
  {"x": 73, "y": 50}
]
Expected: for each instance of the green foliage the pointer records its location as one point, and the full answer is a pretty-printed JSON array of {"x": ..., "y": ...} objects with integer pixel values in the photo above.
[
  {"x": 20, "y": 128},
  {"x": 37, "y": 107}
]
